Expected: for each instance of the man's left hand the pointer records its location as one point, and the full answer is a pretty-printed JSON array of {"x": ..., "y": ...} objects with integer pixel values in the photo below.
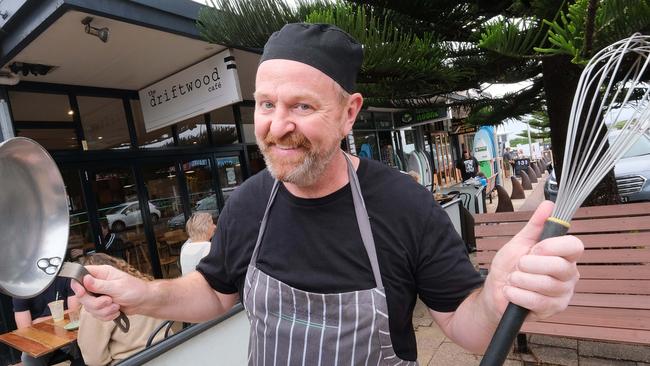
[{"x": 540, "y": 276}]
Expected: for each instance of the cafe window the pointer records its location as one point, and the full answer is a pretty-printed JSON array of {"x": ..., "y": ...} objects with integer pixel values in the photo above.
[
  {"x": 383, "y": 120},
  {"x": 40, "y": 107},
  {"x": 51, "y": 139},
  {"x": 366, "y": 144},
  {"x": 248, "y": 123},
  {"x": 156, "y": 139},
  {"x": 224, "y": 130},
  {"x": 364, "y": 121},
  {"x": 104, "y": 123},
  {"x": 44, "y": 118},
  {"x": 193, "y": 131}
]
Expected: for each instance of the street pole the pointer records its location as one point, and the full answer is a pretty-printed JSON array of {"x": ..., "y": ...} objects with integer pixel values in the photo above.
[{"x": 530, "y": 144}]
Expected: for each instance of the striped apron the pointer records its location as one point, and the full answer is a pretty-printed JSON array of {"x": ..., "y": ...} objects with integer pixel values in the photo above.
[{"x": 294, "y": 327}]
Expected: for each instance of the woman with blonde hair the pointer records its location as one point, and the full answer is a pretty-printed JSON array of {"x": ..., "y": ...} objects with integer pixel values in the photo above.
[
  {"x": 102, "y": 343},
  {"x": 200, "y": 229}
]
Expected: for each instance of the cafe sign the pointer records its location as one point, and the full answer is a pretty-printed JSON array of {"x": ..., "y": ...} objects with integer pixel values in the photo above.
[{"x": 210, "y": 84}]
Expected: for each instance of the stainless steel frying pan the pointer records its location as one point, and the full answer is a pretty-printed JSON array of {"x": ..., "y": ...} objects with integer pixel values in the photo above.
[{"x": 34, "y": 222}]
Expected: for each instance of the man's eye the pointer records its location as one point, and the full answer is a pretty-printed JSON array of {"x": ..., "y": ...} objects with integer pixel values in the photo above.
[
  {"x": 267, "y": 105},
  {"x": 303, "y": 107}
]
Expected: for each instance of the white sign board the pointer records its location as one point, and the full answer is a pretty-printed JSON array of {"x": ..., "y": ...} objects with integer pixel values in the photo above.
[{"x": 211, "y": 84}]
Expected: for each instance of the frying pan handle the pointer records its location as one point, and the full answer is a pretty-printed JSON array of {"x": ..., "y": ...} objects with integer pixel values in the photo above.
[
  {"x": 515, "y": 315},
  {"x": 77, "y": 272},
  {"x": 122, "y": 322}
]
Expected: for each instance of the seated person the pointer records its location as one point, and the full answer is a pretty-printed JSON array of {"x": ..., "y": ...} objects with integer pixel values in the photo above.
[
  {"x": 35, "y": 310},
  {"x": 200, "y": 228},
  {"x": 110, "y": 243},
  {"x": 102, "y": 343}
]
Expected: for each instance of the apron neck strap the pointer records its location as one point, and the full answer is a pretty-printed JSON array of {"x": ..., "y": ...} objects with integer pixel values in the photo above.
[{"x": 362, "y": 221}]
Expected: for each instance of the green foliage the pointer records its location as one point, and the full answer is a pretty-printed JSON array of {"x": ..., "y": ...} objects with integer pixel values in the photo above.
[
  {"x": 512, "y": 37},
  {"x": 249, "y": 23},
  {"x": 614, "y": 20},
  {"x": 388, "y": 50},
  {"x": 567, "y": 36},
  {"x": 518, "y": 141}
]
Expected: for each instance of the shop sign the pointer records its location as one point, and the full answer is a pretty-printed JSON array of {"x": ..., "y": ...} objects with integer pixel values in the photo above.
[
  {"x": 459, "y": 127},
  {"x": 211, "y": 84},
  {"x": 419, "y": 117}
]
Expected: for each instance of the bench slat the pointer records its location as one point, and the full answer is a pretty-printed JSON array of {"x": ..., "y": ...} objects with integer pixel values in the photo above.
[
  {"x": 611, "y": 301},
  {"x": 609, "y": 272},
  {"x": 590, "y": 241},
  {"x": 605, "y": 317},
  {"x": 641, "y": 255},
  {"x": 631, "y": 287},
  {"x": 577, "y": 226},
  {"x": 631, "y": 209},
  {"x": 588, "y": 332}
]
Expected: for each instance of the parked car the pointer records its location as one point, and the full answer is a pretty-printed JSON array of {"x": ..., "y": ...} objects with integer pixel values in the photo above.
[
  {"x": 128, "y": 215},
  {"x": 632, "y": 174},
  {"x": 207, "y": 204}
]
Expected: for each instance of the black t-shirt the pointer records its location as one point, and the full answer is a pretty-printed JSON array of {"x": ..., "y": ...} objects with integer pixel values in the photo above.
[
  {"x": 315, "y": 245},
  {"x": 37, "y": 306},
  {"x": 468, "y": 168}
]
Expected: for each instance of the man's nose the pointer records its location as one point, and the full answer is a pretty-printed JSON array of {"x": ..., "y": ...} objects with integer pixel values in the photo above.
[{"x": 282, "y": 122}]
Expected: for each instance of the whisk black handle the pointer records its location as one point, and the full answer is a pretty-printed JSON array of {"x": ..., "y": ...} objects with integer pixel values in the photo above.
[{"x": 514, "y": 315}]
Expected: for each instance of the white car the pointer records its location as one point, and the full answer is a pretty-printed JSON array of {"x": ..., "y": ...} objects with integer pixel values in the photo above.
[{"x": 128, "y": 215}]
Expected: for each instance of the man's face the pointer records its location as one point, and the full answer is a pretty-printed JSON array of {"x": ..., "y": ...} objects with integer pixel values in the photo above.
[
  {"x": 300, "y": 119},
  {"x": 466, "y": 155}
]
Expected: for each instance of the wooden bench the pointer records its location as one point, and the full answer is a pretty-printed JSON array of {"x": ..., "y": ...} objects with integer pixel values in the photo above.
[{"x": 612, "y": 299}]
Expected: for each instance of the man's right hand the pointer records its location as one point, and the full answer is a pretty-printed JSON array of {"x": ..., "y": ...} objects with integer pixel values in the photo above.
[{"x": 112, "y": 291}]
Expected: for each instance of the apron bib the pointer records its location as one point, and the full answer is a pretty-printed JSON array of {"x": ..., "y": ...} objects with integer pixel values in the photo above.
[{"x": 294, "y": 327}]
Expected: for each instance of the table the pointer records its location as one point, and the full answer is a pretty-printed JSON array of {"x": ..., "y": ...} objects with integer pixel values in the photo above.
[{"x": 40, "y": 338}]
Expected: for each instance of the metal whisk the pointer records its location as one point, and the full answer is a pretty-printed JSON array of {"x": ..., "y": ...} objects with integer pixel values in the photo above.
[{"x": 610, "y": 111}]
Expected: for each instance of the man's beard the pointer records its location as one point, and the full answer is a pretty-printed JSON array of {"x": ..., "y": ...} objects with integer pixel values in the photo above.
[{"x": 303, "y": 170}]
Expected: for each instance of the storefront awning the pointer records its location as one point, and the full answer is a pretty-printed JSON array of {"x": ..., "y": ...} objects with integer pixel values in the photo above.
[{"x": 147, "y": 41}]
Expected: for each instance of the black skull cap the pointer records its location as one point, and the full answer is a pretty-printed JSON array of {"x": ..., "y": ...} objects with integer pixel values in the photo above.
[{"x": 322, "y": 46}]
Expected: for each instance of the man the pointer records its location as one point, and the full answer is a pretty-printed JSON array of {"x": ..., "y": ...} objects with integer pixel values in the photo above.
[
  {"x": 109, "y": 243},
  {"x": 507, "y": 161},
  {"x": 36, "y": 310},
  {"x": 468, "y": 166},
  {"x": 345, "y": 245}
]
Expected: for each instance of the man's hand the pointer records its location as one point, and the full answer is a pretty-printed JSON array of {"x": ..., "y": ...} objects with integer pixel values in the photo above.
[
  {"x": 113, "y": 291},
  {"x": 540, "y": 276}
]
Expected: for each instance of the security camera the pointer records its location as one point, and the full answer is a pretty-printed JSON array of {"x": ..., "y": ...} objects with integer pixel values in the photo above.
[{"x": 103, "y": 34}]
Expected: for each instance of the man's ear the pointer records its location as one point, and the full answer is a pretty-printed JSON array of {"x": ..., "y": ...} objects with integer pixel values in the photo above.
[{"x": 352, "y": 108}]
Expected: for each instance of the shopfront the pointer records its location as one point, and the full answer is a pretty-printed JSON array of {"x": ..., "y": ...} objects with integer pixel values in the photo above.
[{"x": 147, "y": 122}]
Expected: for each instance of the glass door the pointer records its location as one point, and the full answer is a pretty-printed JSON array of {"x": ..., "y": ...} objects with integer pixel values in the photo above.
[
  {"x": 81, "y": 236},
  {"x": 230, "y": 174},
  {"x": 119, "y": 213},
  {"x": 166, "y": 209},
  {"x": 199, "y": 179}
]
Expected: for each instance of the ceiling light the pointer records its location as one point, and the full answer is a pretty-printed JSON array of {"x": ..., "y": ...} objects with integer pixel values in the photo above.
[
  {"x": 70, "y": 112},
  {"x": 165, "y": 136},
  {"x": 99, "y": 137},
  {"x": 27, "y": 68},
  {"x": 128, "y": 186},
  {"x": 189, "y": 172},
  {"x": 101, "y": 33}
]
